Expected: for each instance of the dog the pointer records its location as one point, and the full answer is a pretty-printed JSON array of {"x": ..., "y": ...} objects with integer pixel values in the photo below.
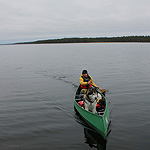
[{"x": 90, "y": 99}]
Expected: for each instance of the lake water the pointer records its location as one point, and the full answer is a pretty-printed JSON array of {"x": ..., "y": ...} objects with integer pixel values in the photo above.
[{"x": 37, "y": 87}]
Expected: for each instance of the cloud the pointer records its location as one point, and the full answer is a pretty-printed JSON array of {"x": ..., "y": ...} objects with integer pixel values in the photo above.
[{"x": 39, "y": 19}]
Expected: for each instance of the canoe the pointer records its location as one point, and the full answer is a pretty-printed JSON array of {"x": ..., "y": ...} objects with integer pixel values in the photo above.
[{"x": 99, "y": 121}]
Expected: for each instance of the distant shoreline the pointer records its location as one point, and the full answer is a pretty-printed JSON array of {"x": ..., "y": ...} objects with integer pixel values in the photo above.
[
  {"x": 123, "y": 39},
  {"x": 72, "y": 43},
  {"x": 75, "y": 43}
]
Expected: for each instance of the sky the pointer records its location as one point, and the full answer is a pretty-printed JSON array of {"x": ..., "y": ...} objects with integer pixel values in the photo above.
[{"x": 30, "y": 20}]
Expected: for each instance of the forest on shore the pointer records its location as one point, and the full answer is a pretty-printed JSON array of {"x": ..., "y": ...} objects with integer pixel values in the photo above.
[{"x": 92, "y": 40}]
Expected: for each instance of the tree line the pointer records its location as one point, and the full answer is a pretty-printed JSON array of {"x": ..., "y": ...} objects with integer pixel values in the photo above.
[{"x": 93, "y": 40}]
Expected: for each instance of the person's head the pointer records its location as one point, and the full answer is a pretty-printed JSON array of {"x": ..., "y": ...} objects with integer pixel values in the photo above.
[{"x": 85, "y": 73}]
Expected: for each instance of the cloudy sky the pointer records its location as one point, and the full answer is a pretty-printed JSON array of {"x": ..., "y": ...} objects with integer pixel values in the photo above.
[{"x": 29, "y": 20}]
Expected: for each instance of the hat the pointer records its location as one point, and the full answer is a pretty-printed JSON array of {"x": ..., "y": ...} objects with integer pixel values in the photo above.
[{"x": 84, "y": 71}]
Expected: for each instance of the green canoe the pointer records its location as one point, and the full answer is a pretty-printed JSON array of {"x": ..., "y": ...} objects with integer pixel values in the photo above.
[{"x": 100, "y": 121}]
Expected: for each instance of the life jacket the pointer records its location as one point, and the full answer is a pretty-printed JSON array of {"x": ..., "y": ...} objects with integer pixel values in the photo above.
[{"x": 86, "y": 80}]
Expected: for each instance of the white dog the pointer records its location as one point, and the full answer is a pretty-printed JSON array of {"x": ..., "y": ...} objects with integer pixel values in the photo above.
[{"x": 90, "y": 99}]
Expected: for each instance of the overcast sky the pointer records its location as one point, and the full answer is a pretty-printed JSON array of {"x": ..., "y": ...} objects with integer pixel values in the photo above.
[{"x": 29, "y": 20}]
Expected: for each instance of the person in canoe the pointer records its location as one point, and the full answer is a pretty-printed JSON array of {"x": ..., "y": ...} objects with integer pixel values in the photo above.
[{"x": 86, "y": 82}]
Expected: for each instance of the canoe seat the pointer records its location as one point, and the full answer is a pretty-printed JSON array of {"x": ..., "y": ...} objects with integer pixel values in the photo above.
[
  {"x": 77, "y": 100},
  {"x": 100, "y": 113},
  {"x": 80, "y": 96}
]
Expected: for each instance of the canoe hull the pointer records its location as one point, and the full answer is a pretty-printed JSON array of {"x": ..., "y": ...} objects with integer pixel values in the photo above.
[{"x": 99, "y": 123}]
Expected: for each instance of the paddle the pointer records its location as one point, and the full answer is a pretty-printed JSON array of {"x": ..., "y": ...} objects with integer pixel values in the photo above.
[{"x": 100, "y": 92}]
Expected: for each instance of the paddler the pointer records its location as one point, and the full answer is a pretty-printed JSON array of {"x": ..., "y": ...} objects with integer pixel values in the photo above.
[{"x": 86, "y": 82}]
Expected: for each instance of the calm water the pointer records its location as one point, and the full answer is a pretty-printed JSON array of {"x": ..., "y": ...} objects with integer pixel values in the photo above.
[{"x": 37, "y": 86}]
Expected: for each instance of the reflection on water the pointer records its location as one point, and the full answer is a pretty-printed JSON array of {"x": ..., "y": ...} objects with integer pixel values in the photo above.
[{"x": 92, "y": 138}]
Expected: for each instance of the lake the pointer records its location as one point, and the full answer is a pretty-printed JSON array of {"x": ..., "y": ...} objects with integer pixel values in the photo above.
[{"x": 37, "y": 87}]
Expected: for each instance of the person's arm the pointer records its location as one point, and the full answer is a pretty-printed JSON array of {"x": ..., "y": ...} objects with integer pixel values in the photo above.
[{"x": 93, "y": 83}]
